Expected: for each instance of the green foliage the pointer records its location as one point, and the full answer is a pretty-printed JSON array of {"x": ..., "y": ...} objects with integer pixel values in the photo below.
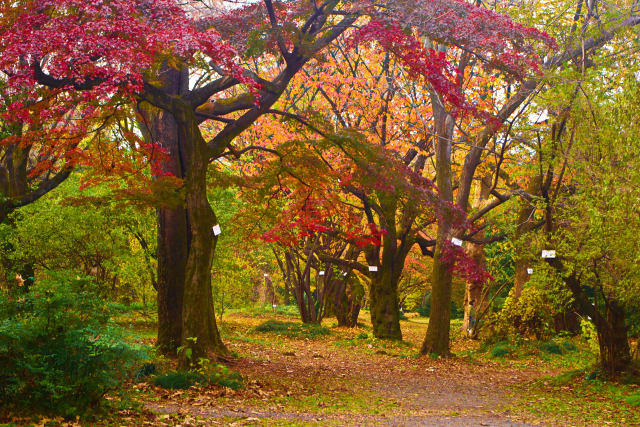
[
  {"x": 529, "y": 315},
  {"x": 292, "y": 330},
  {"x": 84, "y": 233},
  {"x": 58, "y": 351},
  {"x": 633, "y": 399},
  {"x": 551, "y": 347},
  {"x": 501, "y": 349},
  {"x": 590, "y": 334},
  {"x": 216, "y": 375}
]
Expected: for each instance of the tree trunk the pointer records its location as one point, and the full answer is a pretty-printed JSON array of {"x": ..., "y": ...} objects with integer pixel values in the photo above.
[
  {"x": 347, "y": 299},
  {"x": 174, "y": 233},
  {"x": 615, "y": 355},
  {"x": 383, "y": 304},
  {"x": 476, "y": 292},
  {"x": 199, "y": 330},
  {"x": 525, "y": 224},
  {"x": 437, "y": 337}
]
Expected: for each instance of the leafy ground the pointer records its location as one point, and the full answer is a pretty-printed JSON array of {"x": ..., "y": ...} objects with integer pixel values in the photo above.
[{"x": 300, "y": 375}]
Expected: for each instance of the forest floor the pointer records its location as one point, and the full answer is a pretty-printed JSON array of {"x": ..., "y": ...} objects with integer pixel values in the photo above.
[{"x": 341, "y": 376}]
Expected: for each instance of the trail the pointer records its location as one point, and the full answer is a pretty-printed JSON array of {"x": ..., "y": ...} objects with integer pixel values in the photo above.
[{"x": 319, "y": 382}]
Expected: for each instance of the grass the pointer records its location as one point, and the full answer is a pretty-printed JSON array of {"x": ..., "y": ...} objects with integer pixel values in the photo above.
[
  {"x": 569, "y": 398},
  {"x": 292, "y": 329}
]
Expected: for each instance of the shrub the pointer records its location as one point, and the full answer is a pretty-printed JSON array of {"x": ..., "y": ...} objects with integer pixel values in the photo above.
[
  {"x": 58, "y": 351},
  {"x": 501, "y": 349},
  {"x": 529, "y": 315},
  {"x": 292, "y": 330},
  {"x": 550, "y": 347}
]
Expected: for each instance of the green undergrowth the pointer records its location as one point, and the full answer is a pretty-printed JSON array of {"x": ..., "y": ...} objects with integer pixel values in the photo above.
[
  {"x": 267, "y": 310},
  {"x": 370, "y": 344},
  {"x": 186, "y": 379},
  {"x": 292, "y": 329},
  {"x": 571, "y": 398},
  {"x": 558, "y": 352}
]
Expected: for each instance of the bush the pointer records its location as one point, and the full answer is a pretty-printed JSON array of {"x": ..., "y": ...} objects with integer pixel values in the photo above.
[
  {"x": 529, "y": 315},
  {"x": 58, "y": 351},
  {"x": 550, "y": 347},
  {"x": 292, "y": 330},
  {"x": 501, "y": 349}
]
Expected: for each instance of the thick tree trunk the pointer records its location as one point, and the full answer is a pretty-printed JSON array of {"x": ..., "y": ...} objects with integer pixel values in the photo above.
[
  {"x": 174, "y": 233},
  {"x": 199, "y": 330},
  {"x": 347, "y": 301},
  {"x": 437, "y": 337},
  {"x": 383, "y": 303}
]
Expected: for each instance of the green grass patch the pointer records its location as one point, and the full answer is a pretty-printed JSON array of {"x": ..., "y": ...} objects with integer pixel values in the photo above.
[
  {"x": 292, "y": 329},
  {"x": 185, "y": 379},
  {"x": 570, "y": 399}
]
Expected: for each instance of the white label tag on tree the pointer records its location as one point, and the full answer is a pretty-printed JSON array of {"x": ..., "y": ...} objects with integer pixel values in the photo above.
[
  {"x": 529, "y": 270},
  {"x": 548, "y": 254},
  {"x": 344, "y": 274},
  {"x": 373, "y": 268},
  {"x": 274, "y": 306},
  {"x": 456, "y": 241},
  {"x": 321, "y": 273},
  {"x": 217, "y": 230},
  {"x": 266, "y": 275}
]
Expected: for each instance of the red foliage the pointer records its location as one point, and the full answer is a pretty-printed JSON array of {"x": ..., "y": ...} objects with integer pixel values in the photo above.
[{"x": 461, "y": 264}]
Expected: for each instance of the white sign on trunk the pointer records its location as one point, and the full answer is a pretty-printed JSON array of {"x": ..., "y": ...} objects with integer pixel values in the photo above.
[
  {"x": 548, "y": 253},
  {"x": 529, "y": 270},
  {"x": 456, "y": 241},
  {"x": 321, "y": 273},
  {"x": 373, "y": 268},
  {"x": 345, "y": 273},
  {"x": 266, "y": 275},
  {"x": 216, "y": 230}
]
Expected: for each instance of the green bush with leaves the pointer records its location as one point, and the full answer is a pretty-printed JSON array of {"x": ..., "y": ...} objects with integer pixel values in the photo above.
[
  {"x": 58, "y": 351},
  {"x": 529, "y": 315}
]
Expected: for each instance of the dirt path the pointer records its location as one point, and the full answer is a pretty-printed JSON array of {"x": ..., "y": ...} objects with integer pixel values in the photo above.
[{"x": 297, "y": 381}]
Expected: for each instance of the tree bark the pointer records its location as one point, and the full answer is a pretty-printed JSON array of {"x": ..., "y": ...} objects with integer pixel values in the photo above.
[
  {"x": 174, "y": 234},
  {"x": 477, "y": 292},
  {"x": 199, "y": 329},
  {"x": 525, "y": 224},
  {"x": 385, "y": 316},
  {"x": 437, "y": 337}
]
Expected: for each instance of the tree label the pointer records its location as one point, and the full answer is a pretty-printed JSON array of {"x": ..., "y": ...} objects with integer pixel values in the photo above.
[
  {"x": 373, "y": 268},
  {"x": 344, "y": 274},
  {"x": 548, "y": 254},
  {"x": 321, "y": 273},
  {"x": 266, "y": 275},
  {"x": 274, "y": 305},
  {"x": 217, "y": 230},
  {"x": 529, "y": 270},
  {"x": 456, "y": 241}
]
